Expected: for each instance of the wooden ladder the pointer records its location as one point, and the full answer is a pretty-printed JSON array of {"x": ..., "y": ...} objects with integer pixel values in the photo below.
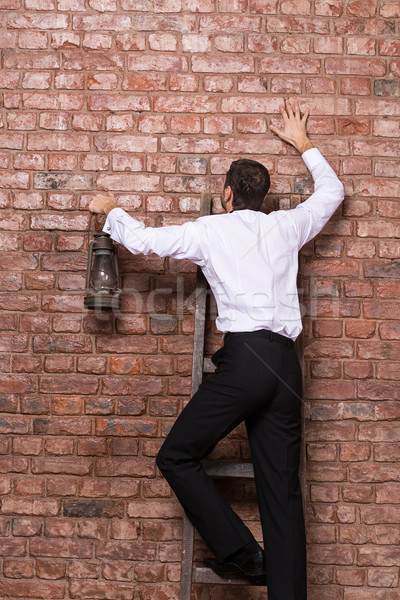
[{"x": 190, "y": 573}]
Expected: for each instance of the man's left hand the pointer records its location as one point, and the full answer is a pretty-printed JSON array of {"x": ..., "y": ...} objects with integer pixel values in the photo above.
[{"x": 102, "y": 203}]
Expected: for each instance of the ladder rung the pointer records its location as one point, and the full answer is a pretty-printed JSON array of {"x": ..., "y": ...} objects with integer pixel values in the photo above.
[
  {"x": 215, "y": 469},
  {"x": 204, "y": 575}
]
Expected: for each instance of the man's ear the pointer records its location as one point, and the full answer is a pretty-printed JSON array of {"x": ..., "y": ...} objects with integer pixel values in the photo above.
[{"x": 227, "y": 193}]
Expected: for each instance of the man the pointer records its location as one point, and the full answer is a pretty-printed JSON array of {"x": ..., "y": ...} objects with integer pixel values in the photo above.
[{"x": 250, "y": 261}]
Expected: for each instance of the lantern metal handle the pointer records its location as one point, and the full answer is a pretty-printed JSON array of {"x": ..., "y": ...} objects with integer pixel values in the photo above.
[
  {"x": 89, "y": 270},
  {"x": 88, "y": 233},
  {"x": 118, "y": 289}
]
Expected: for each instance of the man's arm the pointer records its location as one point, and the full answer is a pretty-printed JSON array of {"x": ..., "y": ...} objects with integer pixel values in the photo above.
[
  {"x": 177, "y": 241},
  {"x": 310, "y": 217}
]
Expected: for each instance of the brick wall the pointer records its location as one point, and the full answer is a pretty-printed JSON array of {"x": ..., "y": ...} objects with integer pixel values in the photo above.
[{"x": 153, "y": 99}]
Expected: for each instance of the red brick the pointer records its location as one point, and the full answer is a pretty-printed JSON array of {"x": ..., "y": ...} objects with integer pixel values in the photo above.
[
  {"x": 184, "y": 82},
  {"x": 18, "y": 384},
  {"x": 61, "y": 548},
  {"x": 29, "y": 486},
  {"x": 50, "y": 569},
  {"x": 148, "y": 572},
  {"x": 190, "y": 144},
  {"x": 328, "y": 45},
  {"x": 34, "y": 404},
  {"x": 57, "y": 486},
  {"x": 381, "y": 309},
  {"x": 144, "y": 82},
  {"x": 389, "y": 47},
  {"x": 389, "y": 249},
  {"x": 321, "y": 452},
  {"x": 27, "y": 446},
  {"x": 389, "y": 8},
  {"x": 222, "y": 64},
  {"x": 355, "y": 66},
  {"x": 97, "y": 41},
  {"x": 250, "y": 125},
  {"x": 326, "y": 328},
  {"x": 388, "y": 371},
  {"x": 171, "y": 22},
  {"x": 107, "y": 22},
  {"x": 130, "y": 41},
  {"x": 286, "y": 85},
  {"x": 200, "y": 104},
  {"x": 102, "y": 589},
  {"x": 332, "y": 553},
  {"x": 357, "y": 86},
  {"x": 83, "y": 569},
  {"x": 40, "y": 507},
  {"x": 325, "y": 369},
  {"x": 127, "y": 551},
  {"x": 388, "y": 208},
  {"x": 321, "y": 533},
  {"x": 194, "y": 42},
  {"x": 190, "y": 166},
  {"x": 289, "y": 65},
  {"x": 186, "y": 124},
  {"x": 364, "y": 106},
  {"x": 388, "y": 492},
  {"x": 357, "y": 370},
  {"x": 325, "y": 432},
  {"x": 59, "y": 446},
  {"x": 67, "y": 405},
  {"x": 30, "y": 589},
  {"x": 60, "y": 528},
  {"x": 319, "y": 85},
  {"x": 383, "y": 577},
  {"x": 231, "y": 23},
  {"x": 354, "y": 451},
  {"x": 351, "y": 126},
  {"x": 8, "y": 322},
  {"x": 152, "y": 62},
  {"x": 26, "y": 527},
  {"x": 360, "y": 329},
  {"x": 261, "y": 43},
  {"x": 361, "y": 45},
  {"x": 229, "y": 43},
  {"x": 124, "y": 530}
]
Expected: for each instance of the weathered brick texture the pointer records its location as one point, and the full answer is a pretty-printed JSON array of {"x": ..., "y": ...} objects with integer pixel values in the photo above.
[{"x": 153, "y": 99}]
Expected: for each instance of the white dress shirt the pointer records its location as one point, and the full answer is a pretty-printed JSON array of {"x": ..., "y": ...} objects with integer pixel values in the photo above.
[{"x": 249, "y": 258}]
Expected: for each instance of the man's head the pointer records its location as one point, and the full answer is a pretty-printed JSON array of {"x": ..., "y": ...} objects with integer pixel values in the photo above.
[{"x": 246, "y": 185}]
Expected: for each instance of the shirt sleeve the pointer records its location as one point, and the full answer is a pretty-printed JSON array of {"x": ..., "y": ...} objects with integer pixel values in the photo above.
[
  {"x": 309, "y": 217},
  {"x": 177, "y": 241}
]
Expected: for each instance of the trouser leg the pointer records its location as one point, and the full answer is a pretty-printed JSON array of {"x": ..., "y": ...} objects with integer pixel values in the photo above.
[
  {"x": 193, "y": 437},
  {"x": 239, "y": 387},
  {"x": 275, "y": 436}
]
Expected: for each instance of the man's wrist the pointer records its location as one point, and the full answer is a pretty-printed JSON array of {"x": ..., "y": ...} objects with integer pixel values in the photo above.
[
  {"x": 304, "y": 145},
  {"x": 109, "y": 206}
]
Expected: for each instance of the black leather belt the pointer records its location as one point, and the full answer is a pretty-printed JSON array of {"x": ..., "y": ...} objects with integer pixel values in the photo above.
[{"x": 266, "y": 333}]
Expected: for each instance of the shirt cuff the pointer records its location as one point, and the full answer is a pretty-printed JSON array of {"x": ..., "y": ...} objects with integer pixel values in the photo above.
[
  {"x": 111, "y": 218},
  {"x": 312, "y": 157}
]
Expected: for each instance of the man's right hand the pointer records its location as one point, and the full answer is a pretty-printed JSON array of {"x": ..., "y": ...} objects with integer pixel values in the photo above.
[
  {"x": 294, "y": 131},
  {"x": 102, "y": 203}
]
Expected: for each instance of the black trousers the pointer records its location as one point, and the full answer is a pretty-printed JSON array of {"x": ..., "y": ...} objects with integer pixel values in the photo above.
[{"x": 258, "y": 379}]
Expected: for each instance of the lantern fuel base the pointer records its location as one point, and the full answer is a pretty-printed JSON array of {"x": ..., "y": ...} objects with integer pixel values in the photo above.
[{"x": 103, "y": 291}]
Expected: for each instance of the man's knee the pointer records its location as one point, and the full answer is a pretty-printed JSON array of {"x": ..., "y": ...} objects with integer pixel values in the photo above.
[
  {"x": 171, "y": 460},
  {"x": 164, "y": 460}
]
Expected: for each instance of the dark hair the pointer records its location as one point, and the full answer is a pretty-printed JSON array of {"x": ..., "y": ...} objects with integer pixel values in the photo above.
[{"x": 249, "y": 181}]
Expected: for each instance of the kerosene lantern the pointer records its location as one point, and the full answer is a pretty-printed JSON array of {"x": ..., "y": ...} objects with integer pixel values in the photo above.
[{"x": 102, "y": 277}]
